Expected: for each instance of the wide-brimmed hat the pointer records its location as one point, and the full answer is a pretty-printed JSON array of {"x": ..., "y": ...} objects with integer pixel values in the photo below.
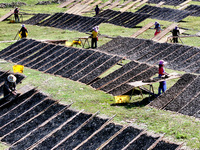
[
  {"x": 11, "y": 78},
  {"x": 162, "y": 62}
]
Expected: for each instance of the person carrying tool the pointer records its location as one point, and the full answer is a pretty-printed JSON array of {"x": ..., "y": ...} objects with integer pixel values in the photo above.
[
  {"x": 94, "y": 37},
  {"x": 157, "y": 28},
  {"x": 16, "y": 14},
  {"x": 9, "y": 87},
  {"x": 23, "y": 32},
  {"x": 176, "y": 33},
  {"x": 97, "y": 10},
  {"x": 161, "y": 72}
]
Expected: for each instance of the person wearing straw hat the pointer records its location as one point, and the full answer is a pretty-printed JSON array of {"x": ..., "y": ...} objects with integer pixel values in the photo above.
[
  {"x": 161, "y": 72},
  {"x": 10, "y": 85}
]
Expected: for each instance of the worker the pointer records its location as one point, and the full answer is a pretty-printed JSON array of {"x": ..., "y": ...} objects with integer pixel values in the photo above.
[
  {"x": 161, "y": 72},
  {"x": 16, "y": 14},
  {"x": 157, "y": 28},
  {"x": 9, "y": 87},
  {"x": 94, "y": 37},
  {"x": 97, "y": 10},
  {"x": 175, "y": 32},
  {"x": 23, "y": 31}
]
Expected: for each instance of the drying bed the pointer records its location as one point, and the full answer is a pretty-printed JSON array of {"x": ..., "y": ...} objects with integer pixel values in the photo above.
[
  {"x": 57, "y": 59},
  {"x": 169, "y": 50},
  {"x": 123, "y": 138},
  {"x": 30, "y": 51},
  {"x": 168, "y": 2},
  {"x": 46, "y": 128},
  {"x": 116, "y": 82},
  {"x": 19, "y": 52},
  {"x": 185, "y": 56},
  {"x": 101, "y": 137},
  {"x": 142, "y": 143},
  {"x": 12, "y": 49},
  {"x": 57, "y": 67},
  {"x": 50, "y": 19},
  {"x": 87, "y": 69},
  {"x": 182, "y": 97},
  {"x": 38, "y": 122},
  {"x": 126, "y": 19},
  {"x": 77, "y": 64},
  {"x": 124, "y": 87},
  {"x": 39, "y": 58},
  {"x": 163, "y": 13},
  {"x": 108, "y": 14},
  {"x": 125, "y": 77},
  {"x": 105, "y": 80},
  {"x": 9, "y": 117},
  {"x": 165, "y": 145},
  {"x": 179, "y": 57},
  {"x": 194, "y": 67},
  {"x": 62, "y": 133},
  {"x": 188, "y": 62},
  {"x": 77, "y": 61},
  {"x": 81, "y": 135},
  {"x": 37, "y": 54},
  {"x": 192, "y": 107},
  {"x": 84, "y": 63},
  {"x": 101, "y": 69},
  {"x": 36, "y": 19},
  {"x": 49, "y": 58},
  {"x": 13, "y": 104},
  {"x": 25, "y": 118},
  {"x": 172, "y": 92},
  {"x": 194, "y": 9},
  {"x": 72, "y": 22}
]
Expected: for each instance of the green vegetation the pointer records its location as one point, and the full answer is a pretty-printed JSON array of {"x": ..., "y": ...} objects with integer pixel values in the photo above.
[{"x": 176, "y": 127}]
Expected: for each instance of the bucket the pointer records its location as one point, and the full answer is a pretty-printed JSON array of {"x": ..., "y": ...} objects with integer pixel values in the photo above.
[
  {"x": 68, "y": 43},
  {"x": 122, "y": 99},
  {"x": 12, "y": 21},
  {"x": 18, "y": 69},
  {"x": 77, "y": 42}
]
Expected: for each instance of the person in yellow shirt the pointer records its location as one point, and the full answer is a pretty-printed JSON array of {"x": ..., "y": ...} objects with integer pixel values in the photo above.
[{"x": 94, "y": 37}]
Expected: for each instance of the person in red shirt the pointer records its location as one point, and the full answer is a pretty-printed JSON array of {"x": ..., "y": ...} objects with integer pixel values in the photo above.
[
  {"x": 161, "y": 72},
  {"x": 157, "y": 27}
]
